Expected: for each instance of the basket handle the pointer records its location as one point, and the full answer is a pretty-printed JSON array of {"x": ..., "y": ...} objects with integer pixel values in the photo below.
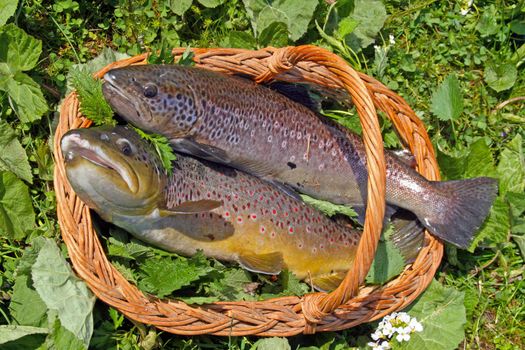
[{"x": 316, "y": 306}]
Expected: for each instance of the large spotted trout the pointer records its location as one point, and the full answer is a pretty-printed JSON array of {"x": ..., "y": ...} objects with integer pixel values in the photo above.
[
  {"x": 228, "y": 214},
  {"x": 243, "y": 125}
]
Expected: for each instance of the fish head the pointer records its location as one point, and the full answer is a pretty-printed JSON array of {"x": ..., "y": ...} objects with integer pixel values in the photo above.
[
  {"x": 157, "y": 98},
  {"x": 113, "y": 170}
]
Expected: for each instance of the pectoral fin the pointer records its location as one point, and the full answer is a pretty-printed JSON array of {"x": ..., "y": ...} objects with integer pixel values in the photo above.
[
  {"x": 328, "y": 282},
  {"x": 200, "y": 150},
  {"x": 270, "y": 263},
  {"x": 192, "y": 207}
]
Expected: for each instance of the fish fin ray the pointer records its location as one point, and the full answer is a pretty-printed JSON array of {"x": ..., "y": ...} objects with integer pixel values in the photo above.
[
  {"x": 192, "y": 207},
  {"x": 407, "y": 235},
  {"x": 269, "y": 263},
  {"x": 328, "y": 282}
]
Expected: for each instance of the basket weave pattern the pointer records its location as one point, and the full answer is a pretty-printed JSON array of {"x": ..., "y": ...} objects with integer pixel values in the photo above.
[{"x": 347, "y": 306}]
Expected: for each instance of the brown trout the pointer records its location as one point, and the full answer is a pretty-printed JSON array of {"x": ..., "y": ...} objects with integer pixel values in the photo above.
[
  {"x": 236, "y": 122},
  {"x": 228, "y": 214}
]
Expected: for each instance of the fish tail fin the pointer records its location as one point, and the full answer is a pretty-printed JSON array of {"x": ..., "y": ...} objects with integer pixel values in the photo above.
[
  {"x": 407, "y": 235},
  {"x": 461, "y": 210}
]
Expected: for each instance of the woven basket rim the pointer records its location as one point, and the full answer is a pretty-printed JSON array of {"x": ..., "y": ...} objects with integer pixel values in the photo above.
[{"x": 351, "y": 303}]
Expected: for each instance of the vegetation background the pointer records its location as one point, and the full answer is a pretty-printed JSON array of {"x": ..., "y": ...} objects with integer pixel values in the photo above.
[{"x": 459, "y": 64}]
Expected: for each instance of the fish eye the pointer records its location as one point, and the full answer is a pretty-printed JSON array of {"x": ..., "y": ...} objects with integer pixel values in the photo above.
[
  {"x": 125, "y": 147},
  {"x": 150, "y": 90}
]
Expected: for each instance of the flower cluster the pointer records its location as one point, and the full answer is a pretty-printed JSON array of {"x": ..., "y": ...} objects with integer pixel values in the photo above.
[{"x": 398, "y": 325}]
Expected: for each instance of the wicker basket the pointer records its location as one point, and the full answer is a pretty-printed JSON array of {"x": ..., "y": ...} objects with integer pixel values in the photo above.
[{"x": 347, "y": 306}]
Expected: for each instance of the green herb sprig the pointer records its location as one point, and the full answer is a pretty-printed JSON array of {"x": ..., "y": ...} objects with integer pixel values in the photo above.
[
  {"x": 92, "y": 102},
  {"x": 163, "y": 148}
]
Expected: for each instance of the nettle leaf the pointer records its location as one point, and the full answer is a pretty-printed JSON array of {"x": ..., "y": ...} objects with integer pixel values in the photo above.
[
  {"x": 92, "y": 102},
  {"x": 447, "y": 101},
  {"x": 61, "y": 338},
  {"x": 329, "y": 208},
  {"x": 17, "y": 217},
  {"x": 13, "y": 156},
  {"x": 500, "y": 76},
  {"x": 18, "y": 49},
  {"x": 297, "y": 14},
  {"x": 517, "y": 211},
  {"x": 164, "y": 275},
  {"x": 388, "y": 261},
  {"x": 276, "y": 35},
  {"x": 346, "y": 26},
  {"x": 452, "y": 168},
  {"x": 511, "y": 167},
  {"x": 62, "y": 291},
  {"x": 442, "y": 313},
  {"x": 371, "y": 15},
  {"x": 9, "y": 333},
  {"x": 162, "y": 147},
  {"x": 26, "y": 97},
  {"x": 7, "y": 9},
  {"x": 180, "y": 6},
  {"x": 230, "y": 286}
]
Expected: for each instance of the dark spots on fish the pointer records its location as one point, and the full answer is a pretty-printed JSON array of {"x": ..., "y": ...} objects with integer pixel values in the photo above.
[
  {"x": 210, "y": 237},
  {"x": 291, "y": 165}
]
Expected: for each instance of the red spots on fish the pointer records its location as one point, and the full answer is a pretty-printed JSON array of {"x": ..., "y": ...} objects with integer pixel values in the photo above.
[
  {"x": 239, "y": 219},
  {"x": 261, "y": 197},
  {"x": 262, "y": 229},
  {"x": 253, "y": 216},
  {"x": 208, "y": 195},
  {"x": 226, "y": 214},
  {"x": 332, "y": 240},
  {"x": 273, "y": 234},
  {"x": 274, "y": 212},
  {"x": 291, "y": 230},
  {"x": 296, "y": 209},
  {"x": 235, "y": 197},
  {"x": 321, "y": 246},
  {"x": 286, "y": 214},
  {"x": 252, "y": 193}
]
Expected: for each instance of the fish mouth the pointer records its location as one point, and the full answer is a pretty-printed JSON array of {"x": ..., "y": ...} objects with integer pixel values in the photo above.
[
  {"x": 127, "y": 107},
  {"x": 74, "y": 147}
]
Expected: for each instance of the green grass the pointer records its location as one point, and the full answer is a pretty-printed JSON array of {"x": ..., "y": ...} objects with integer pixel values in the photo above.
[{"x": 483, "y": 50}]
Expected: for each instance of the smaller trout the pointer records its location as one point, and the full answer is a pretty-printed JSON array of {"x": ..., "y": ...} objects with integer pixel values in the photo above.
[{"x": 226, "y": 213}]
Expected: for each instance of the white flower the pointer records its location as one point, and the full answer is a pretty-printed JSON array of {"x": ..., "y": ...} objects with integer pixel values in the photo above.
[
  {"x": 465, "y": 6},
  {"x": 415, "y": 325},
  {"x": 391, "y": 39},
  {"x": 402, "y": 337}
]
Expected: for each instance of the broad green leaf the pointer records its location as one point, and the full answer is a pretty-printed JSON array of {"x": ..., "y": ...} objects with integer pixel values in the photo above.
[
  {"x": 165, "y": 275},
  {"x": 7, "y": 9},
  {"x": 371, "y": 15},
  {"x": 496, "y": 227},
  {"x": 27, "y": 98},
  {"x": 500, "y": 76},
  {"x": 517, "y": 211},
  {"x": 447, "y": 101},
  {"x": 62, "y": 291},
  {"x": 13, "y": 156},
  {"x": 9, "y": 333},
  {"x": 488, "y": 22},
  {"x": 26, "y": 306},
  {"x": 518, "y": 26},
  {"x": 511, "y": 167},
  {"x": 276, "y": 35},
  {"x": 241, "y": 40},
  {"x": 180, "y": 6},
  {"x": 61, "y": 338},
  {"x": 329, "y": 208},
  {"x": 388, "y": 261},
  {"x": 16, "y": 210},
  {"x": 18, "y": 49},
  {"x": 479, "y": 161},
  {"x": 272, "y": 344},
  {"x": 211, "y": 3},
  {"x": 346, "y": 26},
  {"x": 442, "y": 314},
  {"x": 295, "y": 13}
]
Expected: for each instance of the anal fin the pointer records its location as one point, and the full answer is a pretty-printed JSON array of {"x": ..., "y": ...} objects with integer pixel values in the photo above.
[
  {"x": 328, "y": 282},
  {"x": 269, "y": 263}
]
